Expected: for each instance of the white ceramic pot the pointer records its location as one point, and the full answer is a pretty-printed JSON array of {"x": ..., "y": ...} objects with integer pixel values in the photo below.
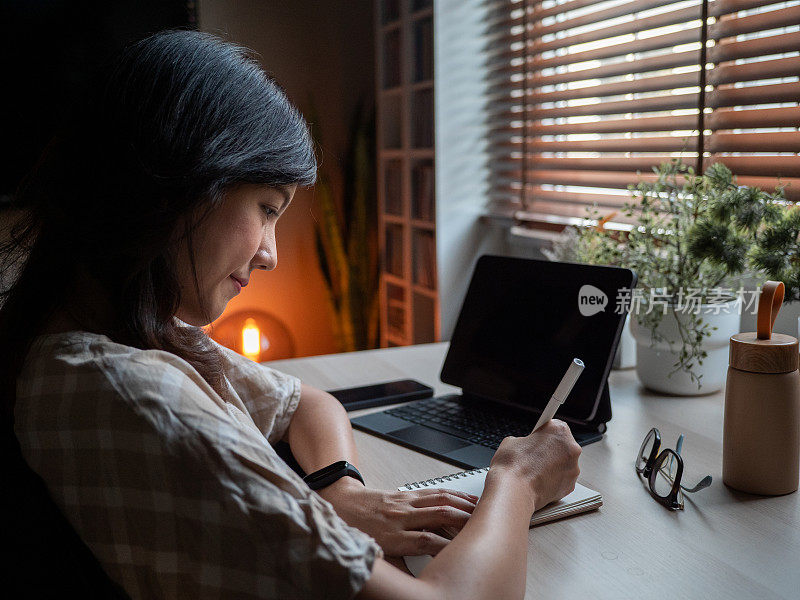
[
  {"x": 655, "y": 361},
  {"x": 625, "y": 358}
]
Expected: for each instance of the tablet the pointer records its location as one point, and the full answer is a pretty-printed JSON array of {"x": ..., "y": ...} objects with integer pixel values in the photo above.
[{"x": 522, "y": 323}]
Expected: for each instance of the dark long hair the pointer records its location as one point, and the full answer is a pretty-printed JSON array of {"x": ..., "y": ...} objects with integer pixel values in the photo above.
[{"x": 179, "y": 118}]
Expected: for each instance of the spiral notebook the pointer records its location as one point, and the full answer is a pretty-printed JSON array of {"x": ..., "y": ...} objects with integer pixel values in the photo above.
[{"x": 582, "y": 499}]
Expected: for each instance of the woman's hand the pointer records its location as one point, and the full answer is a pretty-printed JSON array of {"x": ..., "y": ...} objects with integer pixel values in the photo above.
[
  {"x": 546, "y": 459},
  {"x": 403, "y": 523}
]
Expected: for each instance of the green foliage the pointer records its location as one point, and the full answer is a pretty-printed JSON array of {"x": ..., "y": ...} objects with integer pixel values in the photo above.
[
  {"x": 748, "y": 229},
  {"x": 346, "y": 238},
  {"x": 777, "y": 251}
]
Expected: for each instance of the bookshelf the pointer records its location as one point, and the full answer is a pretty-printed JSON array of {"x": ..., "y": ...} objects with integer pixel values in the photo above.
[{"x": 409, "y": 301}]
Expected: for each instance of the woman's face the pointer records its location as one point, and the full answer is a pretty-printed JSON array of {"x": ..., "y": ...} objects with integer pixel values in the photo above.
[{"x": 232, "y": 241}]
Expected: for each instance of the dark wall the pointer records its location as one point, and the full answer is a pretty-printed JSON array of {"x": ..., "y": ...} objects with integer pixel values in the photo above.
[{"x": 48, "y": 52}]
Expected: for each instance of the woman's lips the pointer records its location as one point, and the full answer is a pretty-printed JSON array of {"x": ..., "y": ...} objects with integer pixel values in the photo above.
[{"x": 237, "y": 283}]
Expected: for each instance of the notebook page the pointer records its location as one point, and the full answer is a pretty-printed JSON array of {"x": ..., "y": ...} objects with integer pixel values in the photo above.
[
  {"x": 472, "y": 482},
  {"x": 582, "y": 499}
]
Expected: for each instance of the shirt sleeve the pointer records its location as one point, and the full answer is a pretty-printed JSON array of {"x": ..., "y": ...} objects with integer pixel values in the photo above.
[
  {"x": 271, "y": 397},
  {"x": 177, "y": 499}
]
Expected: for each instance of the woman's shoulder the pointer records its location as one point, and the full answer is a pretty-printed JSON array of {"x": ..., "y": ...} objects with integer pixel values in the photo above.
[
  {"x": 88, "y": 349},
  {"x": 89, "y": 365}
]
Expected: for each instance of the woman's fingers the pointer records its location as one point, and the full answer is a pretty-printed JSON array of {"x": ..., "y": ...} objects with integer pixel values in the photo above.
[
  {"x": 436, "y": 497},
  {"x": 436, "y": 517},
  {"x": 414, "y": 543}
]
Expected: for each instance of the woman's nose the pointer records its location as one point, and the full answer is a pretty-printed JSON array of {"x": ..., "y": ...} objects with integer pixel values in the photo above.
[{"x": 266, "y": 257}]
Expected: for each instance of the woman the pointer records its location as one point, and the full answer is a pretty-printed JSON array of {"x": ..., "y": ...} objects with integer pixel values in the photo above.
[{"x": 145, "y": 218}]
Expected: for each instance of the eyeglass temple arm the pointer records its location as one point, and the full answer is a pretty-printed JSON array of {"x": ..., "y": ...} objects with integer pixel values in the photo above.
[{"x": 704, "y": 483}]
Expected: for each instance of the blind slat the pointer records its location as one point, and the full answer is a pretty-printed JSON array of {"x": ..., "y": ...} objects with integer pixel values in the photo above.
[
  {"x": 603, "y": 179},
  {"x": 638, "y": 86},
  {"x": 637, "y": 144},
  {"x": 715, "y": 142},
  {"x": 753, "y": 23},
  {"x": 720, "y": 119},
  {"x": 730, "y": 49},
  {"x": 760, "y": 94},
  {"x": 763, "y": 94},
  {"x": 783, "y": 141},
  {"x": 776, "y": 166},
  {"x": 768, "y": 69},
  {"x": 765, "y": 69},
  {"x": 617, "y": 125},
  {"x": 717, "y": 8}
]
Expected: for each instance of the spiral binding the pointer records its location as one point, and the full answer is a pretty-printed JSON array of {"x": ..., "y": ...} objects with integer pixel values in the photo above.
[{"x": 443, "y": 478}]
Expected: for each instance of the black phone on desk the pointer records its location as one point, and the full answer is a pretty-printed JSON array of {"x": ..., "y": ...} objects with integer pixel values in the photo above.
[{"x": 380, "y": 394}]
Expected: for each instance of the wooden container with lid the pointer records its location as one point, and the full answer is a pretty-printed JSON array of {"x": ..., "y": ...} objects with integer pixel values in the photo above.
[{"x": 761, "y": 437}]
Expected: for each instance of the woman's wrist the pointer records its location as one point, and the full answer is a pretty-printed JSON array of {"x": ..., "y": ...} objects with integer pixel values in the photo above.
[
  {"x": 508, "y": 481},
  {"x": 340, "y": 488}
]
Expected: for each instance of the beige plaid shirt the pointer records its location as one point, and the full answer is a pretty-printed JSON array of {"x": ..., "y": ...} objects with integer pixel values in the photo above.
[{"x": 176, "y": 490}]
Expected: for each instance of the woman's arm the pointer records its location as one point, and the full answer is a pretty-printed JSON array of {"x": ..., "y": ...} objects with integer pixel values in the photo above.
[
  {"x": 488, "y": 558},
  {"x": 320, "y": 434}
]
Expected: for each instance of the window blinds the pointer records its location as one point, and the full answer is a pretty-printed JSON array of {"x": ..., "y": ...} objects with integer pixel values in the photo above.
[{"x": 584, "y": 94}]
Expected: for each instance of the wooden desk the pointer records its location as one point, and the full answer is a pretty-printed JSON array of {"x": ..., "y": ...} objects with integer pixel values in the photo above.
[{"x": 725, "y": 544}]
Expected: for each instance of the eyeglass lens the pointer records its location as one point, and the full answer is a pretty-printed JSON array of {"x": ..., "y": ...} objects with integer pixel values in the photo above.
[
  {"x": 645, "y": 450},
  {"x": 665, "y": 469}
]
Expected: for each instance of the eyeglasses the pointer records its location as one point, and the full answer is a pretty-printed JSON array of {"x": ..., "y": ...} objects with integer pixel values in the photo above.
[{"x": 663, "y": 471}]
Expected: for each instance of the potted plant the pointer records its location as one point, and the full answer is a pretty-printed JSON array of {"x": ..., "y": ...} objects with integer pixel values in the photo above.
[
  {"x": 690, "y": 244},
  {"x": 762, "y": 230}
]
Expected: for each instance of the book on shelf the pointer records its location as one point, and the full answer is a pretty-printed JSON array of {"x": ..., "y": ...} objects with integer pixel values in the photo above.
[
  {"x": 423, "y": 49},
  {"x": 425, "y": 259},
  {"x": 424, "y": 192},
  {"x": 422, "y": 107},
  {"x": 393, "y": 190},
  {"x": 394, "y": 250},
  {"x": 391, "y": 59}
]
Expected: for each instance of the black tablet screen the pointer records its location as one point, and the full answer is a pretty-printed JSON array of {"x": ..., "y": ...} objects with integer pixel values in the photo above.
[{"x": 522, "y": 323}]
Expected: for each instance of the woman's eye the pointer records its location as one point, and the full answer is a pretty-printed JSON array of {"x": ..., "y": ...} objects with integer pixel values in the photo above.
[{"x": 268, "y": 210}]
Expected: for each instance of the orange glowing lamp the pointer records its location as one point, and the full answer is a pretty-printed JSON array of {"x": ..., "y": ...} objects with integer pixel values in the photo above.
[
  {"x": 251, "y": 339},
  {"x": 257, "y": 335}
]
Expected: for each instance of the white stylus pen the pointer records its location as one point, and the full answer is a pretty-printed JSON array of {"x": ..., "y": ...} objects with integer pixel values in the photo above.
[{"x": 562, "y": 391}]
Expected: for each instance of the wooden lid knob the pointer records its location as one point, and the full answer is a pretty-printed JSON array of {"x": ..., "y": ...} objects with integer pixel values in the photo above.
[
  {"x": 763, "y": 351},
  {"x": 778, "y": 354}
]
